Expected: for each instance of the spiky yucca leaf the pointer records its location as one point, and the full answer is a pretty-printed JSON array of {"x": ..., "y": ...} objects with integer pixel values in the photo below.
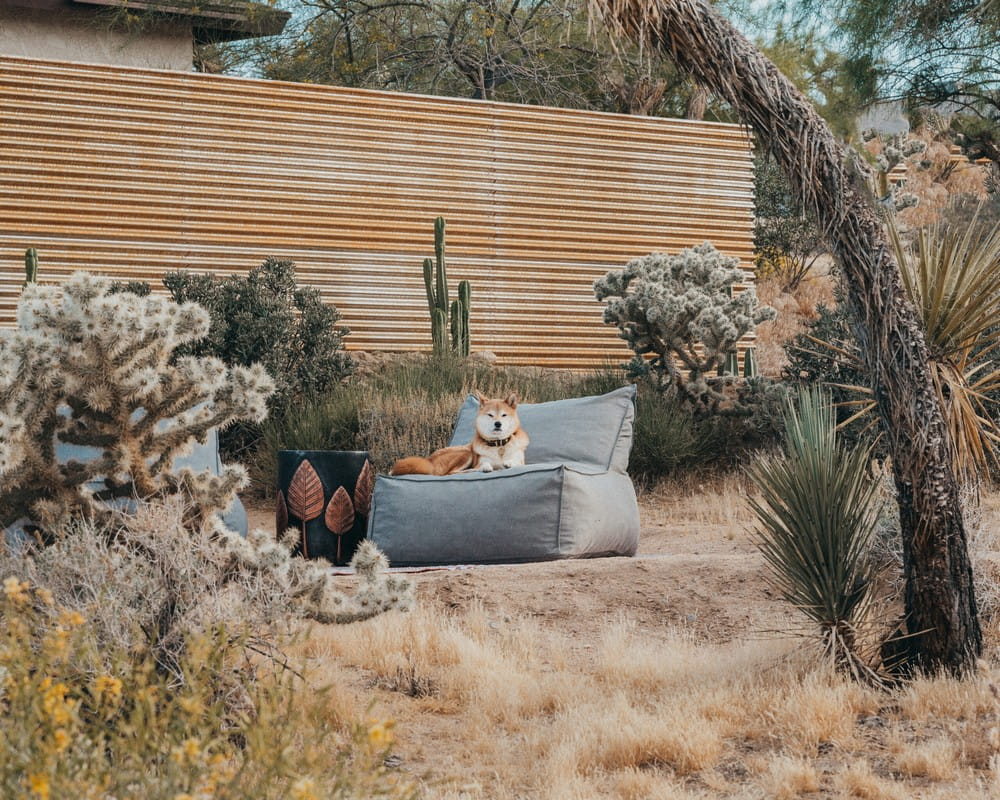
[
  {"x": 952, "y": 276},
  {"x": 816, "y": 517}
]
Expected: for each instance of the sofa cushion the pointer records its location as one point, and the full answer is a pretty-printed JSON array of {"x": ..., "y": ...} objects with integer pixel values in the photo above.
[
  {"x": 532, "y": 513},
  {"x": 594, "y": 431}
]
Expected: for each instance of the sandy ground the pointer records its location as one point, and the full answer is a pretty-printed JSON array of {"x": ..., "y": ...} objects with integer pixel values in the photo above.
[
  {"x": 696, "y": 569},
  {"x": 494, "y": 729}
]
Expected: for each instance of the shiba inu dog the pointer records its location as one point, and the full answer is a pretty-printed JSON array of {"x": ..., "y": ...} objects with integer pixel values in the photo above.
[{"x": 499, "y": 442}]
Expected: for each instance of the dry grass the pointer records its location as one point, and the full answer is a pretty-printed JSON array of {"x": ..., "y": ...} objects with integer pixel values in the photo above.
[
  {"x": 492, "y": 705},
  {"x": 795, "y": 310},
  {"x": 935, "y": 759},
  {"x": 790, "y": 777},
  {"x": 858, "y": 780}
]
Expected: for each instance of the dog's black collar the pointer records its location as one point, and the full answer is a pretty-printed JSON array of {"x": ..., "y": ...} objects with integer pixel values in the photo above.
[{"x": 497, "y": 442}]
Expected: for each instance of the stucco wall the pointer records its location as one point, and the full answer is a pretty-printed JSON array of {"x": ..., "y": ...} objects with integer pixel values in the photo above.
[{"x": 80, "y": 35}]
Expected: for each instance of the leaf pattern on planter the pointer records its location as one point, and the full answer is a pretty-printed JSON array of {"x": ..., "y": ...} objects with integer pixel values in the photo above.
[
  {"x": 363, "y": 489},
  {"x": 305, "y": 493},
  {"x": 340, "y": 512},
  {"x": 280, "y": 515}
]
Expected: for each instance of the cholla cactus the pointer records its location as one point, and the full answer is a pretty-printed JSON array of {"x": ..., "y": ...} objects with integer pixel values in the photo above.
[
  {"x": 310, "y": 585},
  {"x": 682, "y": 309},
  {"x": 895, "y": 150},
  {"x": 93, "y": 369}
]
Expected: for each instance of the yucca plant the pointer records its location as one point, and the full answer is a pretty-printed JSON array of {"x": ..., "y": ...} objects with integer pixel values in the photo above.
[
  {"x": 952, "y": 277},
  {"x": 816, "y": 516}
]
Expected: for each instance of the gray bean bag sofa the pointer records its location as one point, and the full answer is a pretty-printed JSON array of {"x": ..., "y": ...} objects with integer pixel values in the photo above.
[{"x": 571, "y": 499}]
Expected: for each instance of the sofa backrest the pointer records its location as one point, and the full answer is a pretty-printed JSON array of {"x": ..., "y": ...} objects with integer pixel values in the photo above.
[{"x": 595, "y": 431}]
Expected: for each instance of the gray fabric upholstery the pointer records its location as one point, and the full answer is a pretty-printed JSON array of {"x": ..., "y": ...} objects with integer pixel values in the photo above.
[
  {"x": 572, "y": 499},
  {"x": 594, "y": 430}
]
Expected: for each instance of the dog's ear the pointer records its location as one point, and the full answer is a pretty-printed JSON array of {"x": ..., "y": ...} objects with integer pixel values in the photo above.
[
  {"x": 479, "y": 396},
  {"x": 511, "y": 400}
]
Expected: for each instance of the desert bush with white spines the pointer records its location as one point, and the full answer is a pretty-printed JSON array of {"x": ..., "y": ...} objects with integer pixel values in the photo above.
[{"x": 91, "y": 368}]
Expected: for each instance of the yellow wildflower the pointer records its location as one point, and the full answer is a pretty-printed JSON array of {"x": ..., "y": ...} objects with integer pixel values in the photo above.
[
  {"x": 39, "y": 785},
  {"x": 60, "y": 739},
  {"x": 45, "y": 596},
  {"x": 54, "y": 701},
  {"x": 192, "y": 706},
  {"x": 71, "y": 619},
  {"x": 304, "y": 789},
  {"x": 16, "y": 591},
  {"x": 187, "y": 752},
  {"x": 56, "y": 642},
  {"x": 380, "y": 735},
  {"x": 108, "y": 689}
]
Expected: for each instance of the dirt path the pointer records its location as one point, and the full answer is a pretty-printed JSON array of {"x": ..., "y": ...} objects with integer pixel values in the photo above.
[{"x": 696, "y": 570}]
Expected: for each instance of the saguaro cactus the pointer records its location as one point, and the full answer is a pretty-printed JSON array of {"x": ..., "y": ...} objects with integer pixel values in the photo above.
[
  {"x": 436, "y": 284},
  {"x": 30, "y": 266}
]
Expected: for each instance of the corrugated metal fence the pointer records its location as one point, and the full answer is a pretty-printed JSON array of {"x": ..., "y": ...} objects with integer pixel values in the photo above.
[{"x": 135, "y": 172}]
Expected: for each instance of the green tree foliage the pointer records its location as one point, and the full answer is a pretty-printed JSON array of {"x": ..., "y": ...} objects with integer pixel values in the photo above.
[
  {"x": 925, "y": 52},
  {"x": 786, "y": 239},
  {"x": 539, "y": 52},
  {"x": 264, "y": 317},
  {"x": 806, "y": 53}
]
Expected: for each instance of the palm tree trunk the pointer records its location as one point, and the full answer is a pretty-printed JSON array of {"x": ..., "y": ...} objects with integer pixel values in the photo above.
[{"x": 940, "y": 601}]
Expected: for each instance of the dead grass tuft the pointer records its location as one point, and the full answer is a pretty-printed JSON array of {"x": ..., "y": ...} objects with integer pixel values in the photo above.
[
  {"x": 821, "y": 710},
  {"x": 612, "y": 734},
  {"x": 946, "y": 698},
  {"x": 790, "y": 777},
  {"x": 858, "y": 780},
  {"x": 934, "y": 759}
]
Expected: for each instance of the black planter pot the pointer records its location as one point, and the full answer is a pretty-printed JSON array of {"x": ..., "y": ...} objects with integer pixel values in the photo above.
[{"x": 326, "y": 495}]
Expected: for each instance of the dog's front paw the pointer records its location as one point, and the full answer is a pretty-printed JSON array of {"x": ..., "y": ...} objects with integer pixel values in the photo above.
[{"x": 486, "y": 466}]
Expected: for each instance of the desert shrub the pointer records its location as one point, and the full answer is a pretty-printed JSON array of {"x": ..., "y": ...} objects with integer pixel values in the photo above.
[
  {"x": 683, "y": 319},
  {"x": 787, "y": 241},
  {"x": 328, "y": 422},
  {"x": 815, "y": 522},
  {"x": 825, "y": 354},
  {"x": 266, "y": 318},
  {"x": 146, "y": 580},
  {"x": 667, "y": 438},
  {"x": 85, "y": 718},
  {"x": 107, "y": 359}
]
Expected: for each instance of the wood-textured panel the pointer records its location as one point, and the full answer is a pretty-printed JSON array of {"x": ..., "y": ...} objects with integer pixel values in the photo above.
[{"x": 133, "y": 173}]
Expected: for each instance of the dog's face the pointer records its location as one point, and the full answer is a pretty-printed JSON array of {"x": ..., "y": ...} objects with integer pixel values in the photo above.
[{"x": 497, "y": 419}]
